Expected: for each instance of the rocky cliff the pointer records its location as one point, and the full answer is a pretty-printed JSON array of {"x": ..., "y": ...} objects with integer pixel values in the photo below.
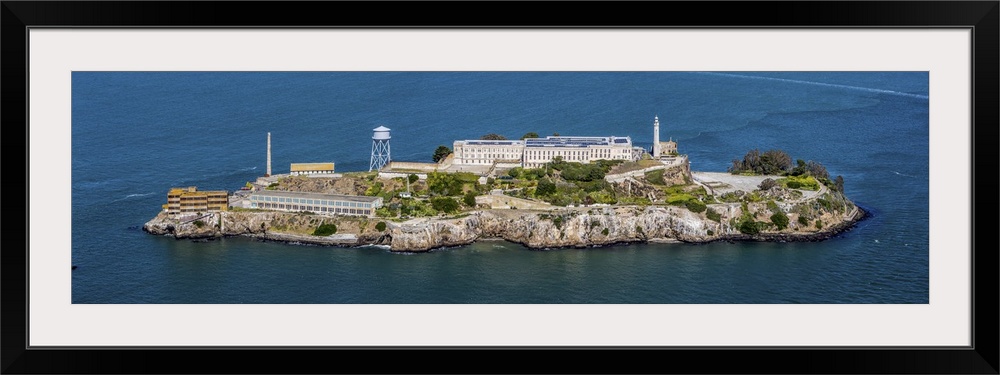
[{"x": 808, "y": 220}]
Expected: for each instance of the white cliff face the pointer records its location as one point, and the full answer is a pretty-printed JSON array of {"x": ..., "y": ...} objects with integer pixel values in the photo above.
[{"x": 567, "y": 227}]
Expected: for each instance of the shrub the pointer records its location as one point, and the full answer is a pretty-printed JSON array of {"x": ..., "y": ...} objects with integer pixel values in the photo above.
[
  {"x": 412, "y": 178},
  {"x": 199, "y": 223},
  {"x": 803, "y": 220},
  {"x": 819, "y": 224},
  {"x": 655, "y": 177},
  {"x": 748, "y": 226},
  {"x": 710, "y": 232},
  {"x": 445, "y": 183},
  {"x": 780, "y": 220},
  {"x": 545, "y": 187},
  {"x": 469, "y": 199},
  {"x": 805, "y": 182},
  {"x": 380, "y": 226},
  {"x": 713, "y": 215},
  {"x": 679, "y": 199},
  {"x": 605, "y": 231},
  {"x": 558, "y": 221},
  {"x": 695, "y": 206},
  {"x": 825, "y": 203},
  {"x": 325, "y": 229},
  {"x": 493, "y": 137},
  {"x": 440, "y": 153},
  {"x": 773, "y": 206},
  {"x": 767, "y": 184},
  {"x": 444, "y": 204},
  {"x": 514, "y": 172}
]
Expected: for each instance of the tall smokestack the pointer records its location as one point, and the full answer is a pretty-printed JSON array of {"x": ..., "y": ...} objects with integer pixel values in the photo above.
[
  {"x": 268, "y": 153},
  {"x": 656, "y": 136}
]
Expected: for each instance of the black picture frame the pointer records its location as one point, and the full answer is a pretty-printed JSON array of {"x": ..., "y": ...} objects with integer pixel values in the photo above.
[{"x": 981, "y": 17}]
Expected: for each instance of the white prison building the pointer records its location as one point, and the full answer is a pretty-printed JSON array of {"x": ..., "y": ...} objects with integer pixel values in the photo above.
[{"x": 536, "y": 152}]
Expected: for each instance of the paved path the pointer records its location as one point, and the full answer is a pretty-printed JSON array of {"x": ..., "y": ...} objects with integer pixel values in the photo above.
[{"x": 722, "y": 182}]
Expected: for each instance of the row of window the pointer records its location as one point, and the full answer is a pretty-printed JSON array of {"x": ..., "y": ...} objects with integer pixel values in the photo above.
[
  {"x": 295, "y": 207},
  {"x": 322, "y": 202}
]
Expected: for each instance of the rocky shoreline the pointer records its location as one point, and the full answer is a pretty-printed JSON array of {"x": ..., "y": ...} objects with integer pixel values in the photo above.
[{"x": 561, "y": 228}]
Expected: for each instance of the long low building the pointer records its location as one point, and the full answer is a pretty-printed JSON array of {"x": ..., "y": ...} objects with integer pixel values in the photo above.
[
  {"x": 311, "y": 168},
  {"x": 335, "y": 204},
  {"x": 536, "y": 152}
]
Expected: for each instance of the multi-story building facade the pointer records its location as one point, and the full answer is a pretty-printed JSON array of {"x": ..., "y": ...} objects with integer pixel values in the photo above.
[
  {"x": 535, "y": 152},
  {"x": 186, "y": 201},
  {"x": 328, "y": 204}
]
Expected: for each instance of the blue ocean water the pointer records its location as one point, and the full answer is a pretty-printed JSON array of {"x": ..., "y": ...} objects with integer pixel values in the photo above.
[{"x": 136, "y": 134}]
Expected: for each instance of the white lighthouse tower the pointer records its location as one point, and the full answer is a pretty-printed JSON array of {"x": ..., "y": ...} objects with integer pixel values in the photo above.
[
  {"x": 656, "y": 137},
  {"x": 380, "y": 148}
]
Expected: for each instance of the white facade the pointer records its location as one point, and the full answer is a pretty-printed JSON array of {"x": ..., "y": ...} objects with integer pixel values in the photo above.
[
  {"x": 536, "y": 152},
  {"x": 656, "y": 137}
]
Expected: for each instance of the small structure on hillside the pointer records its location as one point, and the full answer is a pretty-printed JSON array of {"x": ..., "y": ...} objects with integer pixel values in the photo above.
[{"x": 311, "y": 168}]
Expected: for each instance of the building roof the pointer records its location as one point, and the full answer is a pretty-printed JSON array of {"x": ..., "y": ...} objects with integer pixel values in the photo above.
[
  {"x": 191, "y": 190},
  {"x": 493, "y": 142},
  {"x": 298, "y": 167},
  {"x": 561, "y": 141},
  {"x": 553, "y": 141},
  {"x": 299, "y": 194}
]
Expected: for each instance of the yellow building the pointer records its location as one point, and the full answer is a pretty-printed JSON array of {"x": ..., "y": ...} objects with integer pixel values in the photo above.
[
  {"x": 311, "y": 168},
  {"x": 668, "y": 148},
  {"x": 184, "y": 201}
]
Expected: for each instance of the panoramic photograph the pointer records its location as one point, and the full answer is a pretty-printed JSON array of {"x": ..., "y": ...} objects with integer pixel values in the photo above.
[{"x": 500, "y": 187}]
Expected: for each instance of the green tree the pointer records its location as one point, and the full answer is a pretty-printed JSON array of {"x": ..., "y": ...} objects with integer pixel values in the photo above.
[
  {"x": 529, "y": 135},
  {"x": 838, "y": 183},
  {"x": 470, "y": 199},
  {"x": 780, "y": 220},
  {"x": 775, "y": 162},
  {"x": 493, "y": 137},
  {"x": 380, "y": 226},
  {"x": 515, "y": 172},
  {"x": 441, "y": 152},
  {"x": 771, "y": 162},
  {"x": 713, "y": 215},
  {"x": 325, "y": 229},
  {"x": 695, "y": 205},
  {"x": 444, "y": 204},
  {"x": 817, "y": 170},
  {"x": 442, "y": 183},
  {"x": 413, "y": 178},
  {"x": 545, "y": 187},
  {"x": 748, "y": 226}
]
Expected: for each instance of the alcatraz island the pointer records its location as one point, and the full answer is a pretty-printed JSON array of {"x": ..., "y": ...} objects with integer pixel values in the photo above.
[{"x": 541, "y": 192}]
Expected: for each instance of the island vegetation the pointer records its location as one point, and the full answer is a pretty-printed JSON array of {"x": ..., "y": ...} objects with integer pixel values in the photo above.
[{"x": 792, "y": 200}]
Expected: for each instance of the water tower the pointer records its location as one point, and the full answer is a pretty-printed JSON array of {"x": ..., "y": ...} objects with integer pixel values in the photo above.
[{"x": 380, "y": 148}]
